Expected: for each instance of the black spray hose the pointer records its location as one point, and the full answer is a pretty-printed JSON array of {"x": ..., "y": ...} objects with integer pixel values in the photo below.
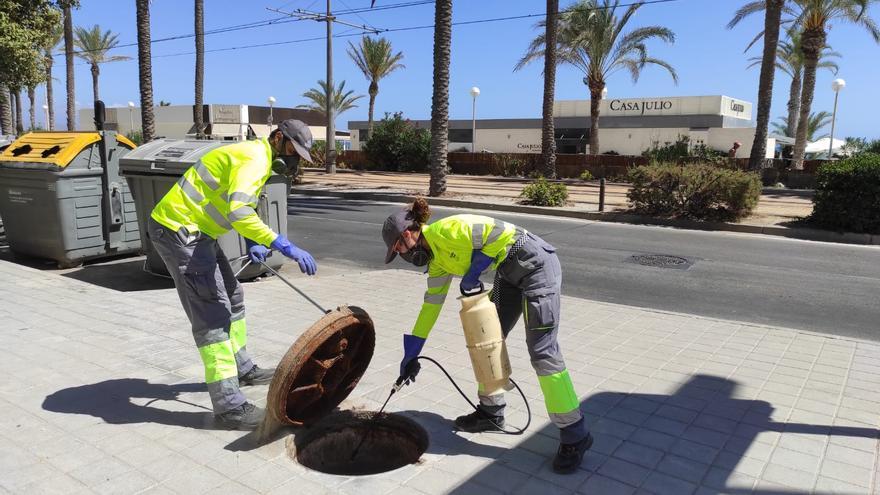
[{"x": 516, "y": 430}]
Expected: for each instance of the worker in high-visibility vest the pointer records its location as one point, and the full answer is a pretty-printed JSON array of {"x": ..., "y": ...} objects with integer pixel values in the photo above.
[
  {"x": 528, "y": 281},
  {"x": 218, "y": 194}
]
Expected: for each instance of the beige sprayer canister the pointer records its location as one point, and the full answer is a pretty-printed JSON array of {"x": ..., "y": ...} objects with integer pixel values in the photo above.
[{"x": 485, "y": 343}]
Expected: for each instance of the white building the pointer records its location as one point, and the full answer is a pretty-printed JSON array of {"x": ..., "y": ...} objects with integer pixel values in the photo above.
[
  {"x": 223, "y": 122},
  {"x": 627, "y": 127}
]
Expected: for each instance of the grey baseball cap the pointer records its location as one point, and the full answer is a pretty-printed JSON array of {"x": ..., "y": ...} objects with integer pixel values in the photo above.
[
  {"x": 394, "y": 226},
  {"x": 299, "y": 134}
]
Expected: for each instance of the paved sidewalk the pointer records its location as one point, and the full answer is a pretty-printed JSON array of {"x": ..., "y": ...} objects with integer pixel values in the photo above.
[{"x": 103, "y": 394}]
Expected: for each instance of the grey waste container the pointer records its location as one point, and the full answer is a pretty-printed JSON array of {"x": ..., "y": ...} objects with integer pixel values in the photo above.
[
  {"x": 153, "y": 168},
  {"x": 61, "y": 197}
]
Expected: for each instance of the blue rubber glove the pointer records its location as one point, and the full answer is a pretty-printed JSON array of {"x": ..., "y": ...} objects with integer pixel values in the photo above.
[
  {"x": 409, "y": 366},
  {"x": 256, "y": 252},
  {"x": 471, "y": 279},
  {"x": 306, "y": 262}
]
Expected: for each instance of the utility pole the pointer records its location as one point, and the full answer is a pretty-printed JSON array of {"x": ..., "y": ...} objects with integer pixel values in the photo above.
[
  {"x": 301, "y": 14},
  {"x": 330, "y": 159}
]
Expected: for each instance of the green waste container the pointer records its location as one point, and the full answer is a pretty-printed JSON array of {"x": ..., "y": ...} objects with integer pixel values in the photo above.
[
  {"x": 153, "y": 168},
  {"x": 61, "y": 197}
]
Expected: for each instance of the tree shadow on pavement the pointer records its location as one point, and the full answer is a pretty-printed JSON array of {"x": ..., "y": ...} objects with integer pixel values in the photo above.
[
  {"x": 690, "y": 441},
  {"x": 111, "y": 400}
]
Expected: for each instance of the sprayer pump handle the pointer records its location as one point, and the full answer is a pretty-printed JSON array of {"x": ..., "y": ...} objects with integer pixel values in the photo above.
[{"x": 474, "y": 292}]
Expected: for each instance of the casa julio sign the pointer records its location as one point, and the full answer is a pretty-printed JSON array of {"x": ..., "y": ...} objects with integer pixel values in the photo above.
[{"x": 640, "y": 106}]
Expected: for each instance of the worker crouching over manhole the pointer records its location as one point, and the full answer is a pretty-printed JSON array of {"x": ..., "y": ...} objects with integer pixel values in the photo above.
[{"x": 318, "y": 372}]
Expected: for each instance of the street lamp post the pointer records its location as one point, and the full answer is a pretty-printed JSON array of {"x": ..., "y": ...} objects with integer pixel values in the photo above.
[
  {"x": 271, "y": 101},
  {"x": 46, "y": 111},
  {"x": 836, "y": 85},
  {"x": 131, "y": 117},
  {"x": 475, "y": 91}
]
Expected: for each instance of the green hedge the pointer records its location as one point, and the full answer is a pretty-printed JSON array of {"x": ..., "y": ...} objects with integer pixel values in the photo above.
[
  {"x": 544, "y": 193},
  {"x": 848, "y": 195},
  {"x": 700, "y": 192},
  {"x": 397, "y": 145}
]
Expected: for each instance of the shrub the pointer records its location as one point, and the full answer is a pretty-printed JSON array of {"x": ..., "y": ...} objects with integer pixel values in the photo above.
[
  {"x": 700, "y": 192},
  {"x": 543, "y": 193},
  {"x": 681, "y": 149},
  {"x": 586, "y": 175},
  {"x": 508, "y": 165},
  {"x": 397, "y": 145},
  {"x": 848, "y": 194},
  {"x": 136, "y": 137},
  {"x": 319, "y": 154}
]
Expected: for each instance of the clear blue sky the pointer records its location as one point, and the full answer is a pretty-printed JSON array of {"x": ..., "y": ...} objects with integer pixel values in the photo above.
[{"x": 709, "y": 59}]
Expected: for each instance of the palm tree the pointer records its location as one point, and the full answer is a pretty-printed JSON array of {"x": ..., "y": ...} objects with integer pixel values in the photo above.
[
  {"x": 340, "y": 100},
  {"x": 19, "y": 118},
  {"x": 145, "y": 70},
  {"x": 772, "y": 22},
  {"x": 548, "y": 129},
  {"x": 66, "y": 6},
  {"x": 32, "y": 114},
  {"x": 790, "y": 60},
  {"x": 591, "y": 39},
  {"x": 375, "y": 59},
  {"x": 813, "y": 18},
  {"x": 440, "y": 96},
  {"x": 93, "y": 45},
  {"x": 51, "y": 42},
  {"x": 5, "y": 110},
  {"x": 200, "y": 66},
  {"x": 816, "y": 123}
]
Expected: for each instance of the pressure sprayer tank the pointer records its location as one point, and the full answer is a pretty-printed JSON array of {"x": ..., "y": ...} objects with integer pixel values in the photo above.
[{"x": 485, "y": 343}]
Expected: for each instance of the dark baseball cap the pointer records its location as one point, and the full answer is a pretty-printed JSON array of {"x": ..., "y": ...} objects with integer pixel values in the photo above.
[
  {"x": 299, "y": 134},
  {"x": 394, "y": 226}
]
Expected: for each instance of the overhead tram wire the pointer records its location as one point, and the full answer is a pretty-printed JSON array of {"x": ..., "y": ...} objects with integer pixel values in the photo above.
[{"x": 393, "y": 30}]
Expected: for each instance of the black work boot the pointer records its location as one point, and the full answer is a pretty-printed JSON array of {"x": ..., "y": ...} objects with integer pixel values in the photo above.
[
  {"x": 244, "y": 417},
  {"x": 256, "y": 376},
  {"x": 569, "y": 456},
  {"x": 478, "y": 421}
]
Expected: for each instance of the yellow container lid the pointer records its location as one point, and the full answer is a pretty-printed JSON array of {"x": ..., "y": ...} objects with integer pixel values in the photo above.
[{"x": 57, "y": 148}]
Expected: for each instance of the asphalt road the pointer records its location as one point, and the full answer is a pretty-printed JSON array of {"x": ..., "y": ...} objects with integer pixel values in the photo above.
[{"x": 822, "y": 287}]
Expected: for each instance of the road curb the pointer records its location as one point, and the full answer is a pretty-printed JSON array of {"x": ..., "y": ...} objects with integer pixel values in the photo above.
[{"x": 807, "y": 234}]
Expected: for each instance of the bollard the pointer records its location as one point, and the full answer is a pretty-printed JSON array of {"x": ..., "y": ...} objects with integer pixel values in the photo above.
[{"x": 602, "y": 194}]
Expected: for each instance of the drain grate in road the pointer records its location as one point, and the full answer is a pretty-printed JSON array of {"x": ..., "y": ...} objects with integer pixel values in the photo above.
[{"x": 661, "y": 261}]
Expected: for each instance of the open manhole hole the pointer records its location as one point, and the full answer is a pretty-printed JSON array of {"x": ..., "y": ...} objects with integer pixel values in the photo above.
[
  {"x": 359, "y": 443},
  {"x": 661, "y": 261},
  {"x": 316, "y": 374}
]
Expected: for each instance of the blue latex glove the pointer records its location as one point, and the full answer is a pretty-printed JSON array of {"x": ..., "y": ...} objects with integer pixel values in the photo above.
[
  {"x": 306, "y": 262},
  {"x": 256, "y": 252},
  {"x": 409, "y": 366},
  {"x": 471, "y": 279}
]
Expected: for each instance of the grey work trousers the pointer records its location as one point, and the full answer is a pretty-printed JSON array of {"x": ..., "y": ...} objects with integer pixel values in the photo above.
[
  {"x": 530, "y": 281},
  {"x": 213, "y": 300}
]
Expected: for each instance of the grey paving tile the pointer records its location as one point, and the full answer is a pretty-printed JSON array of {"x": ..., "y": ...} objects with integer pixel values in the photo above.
[
  {"x": 624, "y": 471},
  {"x": 650, "y": 438},
  {"x": 801, "y": 480},
  {"x": 639, "y": 454},
  {"x": 846, "y": 472},
  {"x": 663, "y": 484},
  {"x": 597, "y": 483},
  {"x": 683, "y": 468},
  {"x": 832, "y": 486},
  {"x": 501, "y": 477},
  {"x": 705, "y": 436},
  {"x": 795, "y": 460},
  {"x": 694, "y": 451}
]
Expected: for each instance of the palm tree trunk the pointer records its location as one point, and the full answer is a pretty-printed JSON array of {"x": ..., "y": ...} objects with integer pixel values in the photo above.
[
  {"x": 5, "y": 111},
  {"x": 440, "y": 98},
  {"x": 19, "y": 118},
  {"x": 373, "y": 91},
  {"x": 794, "y": 103},
  {"x": 95, "y": 72},
  {"x": 200, "y": 66},
  {"x": 596, "y": 87},
  {"x": 145, "y": 70},
  {"x": 32, "y": 113},
  {"x": 812, "y": 42},
  {"x": 50, "y": 97},
  {"x": 68, "y": 60},
  {"x": 772, "y": 19},
  {"x": 548, "y": 129}
]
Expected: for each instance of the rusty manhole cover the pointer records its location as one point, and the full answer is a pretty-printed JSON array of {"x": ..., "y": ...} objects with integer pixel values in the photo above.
[
  {"x": 661, "y": 261},
  {"x": 322, "y": 367}
]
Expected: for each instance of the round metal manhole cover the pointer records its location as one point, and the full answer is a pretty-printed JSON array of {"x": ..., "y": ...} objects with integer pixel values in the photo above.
[
  {"x": 661, "y": 261},
  {"x": 322, "y": 367}
]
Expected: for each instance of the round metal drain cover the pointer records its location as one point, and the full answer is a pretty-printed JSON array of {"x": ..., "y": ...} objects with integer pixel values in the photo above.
[
  {"x": 661, "y": 261},
  {"x": 322, "y": 367}
]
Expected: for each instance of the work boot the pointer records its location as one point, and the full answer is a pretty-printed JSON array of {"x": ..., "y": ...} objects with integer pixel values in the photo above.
[
  {"x": 256, "y": 376},
  {"x": 244, "y": 417},
  {"x": 569, "y": 456},
  {"x": 478, "y": 421}
]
